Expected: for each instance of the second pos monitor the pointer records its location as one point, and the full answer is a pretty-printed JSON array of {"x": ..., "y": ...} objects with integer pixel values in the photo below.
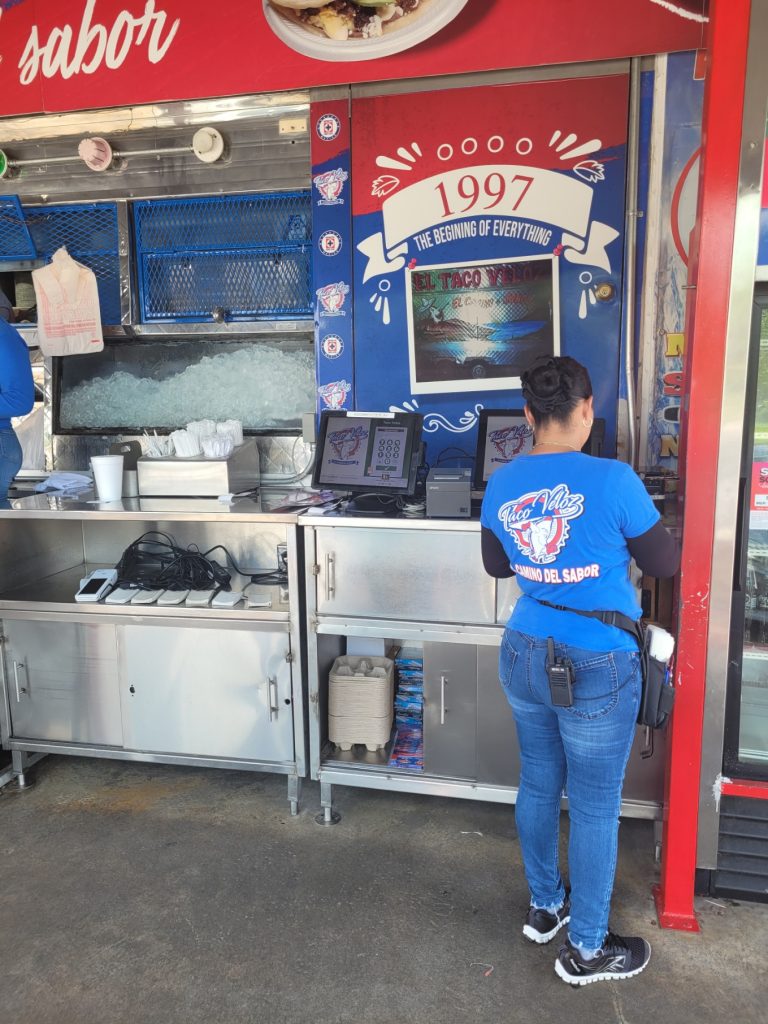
[
  {"x": 368, "y": 453},
  {"x": 503, "y": 434}
]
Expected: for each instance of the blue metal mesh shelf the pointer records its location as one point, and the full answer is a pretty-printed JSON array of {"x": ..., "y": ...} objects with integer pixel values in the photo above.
[
  {"x": 89, "y": 231},
  {"x": 15, "y": 240},
  {"x": 249, "y": 255}
]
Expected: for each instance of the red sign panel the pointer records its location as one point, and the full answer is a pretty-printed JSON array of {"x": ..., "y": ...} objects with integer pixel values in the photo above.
[{"x": 81, "y": 54}]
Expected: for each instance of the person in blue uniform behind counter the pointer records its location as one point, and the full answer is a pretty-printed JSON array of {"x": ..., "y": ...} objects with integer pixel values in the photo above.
[
  {"x": 17, "y": 397},
  {"x": 567, "y": 525}
]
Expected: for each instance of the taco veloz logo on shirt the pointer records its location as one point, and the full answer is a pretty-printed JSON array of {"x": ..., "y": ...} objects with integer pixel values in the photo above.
[{"x": 539, "y": 522}]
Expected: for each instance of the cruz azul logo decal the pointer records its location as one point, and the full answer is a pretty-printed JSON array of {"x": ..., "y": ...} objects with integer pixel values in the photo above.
[
  {"x": 346, "y": 444},
  {"x": 335, "y": 393},
  {"x": 510, "y": 441},
  {"x": 539, "y": 521},
  {"x": 328, "y": 127},
  {"x": 330, "y": 185},
  {"x": 332, "y": 346},
  {"x": 329, "y": 243},
  {"x": 331, "y": 298}
]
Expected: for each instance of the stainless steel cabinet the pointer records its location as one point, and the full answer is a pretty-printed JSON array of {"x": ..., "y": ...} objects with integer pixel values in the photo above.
[
  {"x": 498, "y": 755},
  {"x": 403, "y": 574},
  {"x": 450, "y": 709},
  {"x": 62, "y": 680},
  {"x": 210, "y": 692}
]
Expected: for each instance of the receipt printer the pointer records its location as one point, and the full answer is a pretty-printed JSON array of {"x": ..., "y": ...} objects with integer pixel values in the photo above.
[{"x": 448, "y": 493}]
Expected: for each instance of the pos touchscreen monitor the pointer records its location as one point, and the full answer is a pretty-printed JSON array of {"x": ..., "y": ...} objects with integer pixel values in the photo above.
[
  {"x": 502, "y": 435},
  {"x": 376, "y": 453}
]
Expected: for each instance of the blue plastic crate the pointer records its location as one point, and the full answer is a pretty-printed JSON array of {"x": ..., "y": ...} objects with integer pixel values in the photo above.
[
  {"x": 15, "y": 240},
  {"x": 249, "y": 255},
  {"x": 90, "y": 234}
]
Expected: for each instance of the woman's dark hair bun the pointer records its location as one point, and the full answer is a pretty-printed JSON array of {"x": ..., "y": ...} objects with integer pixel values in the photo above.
[{"x": 553, "y": 385}]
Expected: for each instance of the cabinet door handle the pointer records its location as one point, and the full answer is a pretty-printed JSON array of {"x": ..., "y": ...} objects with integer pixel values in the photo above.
[
  {"x": 442, "y": 700},
  {"x": 272, "y": 688},
  {"x": 19, "y": 688},
  {"x": 330, "y": 576}
]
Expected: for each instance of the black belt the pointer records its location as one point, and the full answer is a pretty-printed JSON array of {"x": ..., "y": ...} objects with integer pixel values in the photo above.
[{"x": 617, "y": 619}]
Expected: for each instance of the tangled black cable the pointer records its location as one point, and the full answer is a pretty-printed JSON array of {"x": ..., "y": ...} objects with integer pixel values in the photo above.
[{"x": 155, "y": 562}]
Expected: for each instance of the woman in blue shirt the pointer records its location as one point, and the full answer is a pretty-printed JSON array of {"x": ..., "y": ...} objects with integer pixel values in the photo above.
[
  {"x": 567, "y": 525},
  {"x": 17, "y": 396}
]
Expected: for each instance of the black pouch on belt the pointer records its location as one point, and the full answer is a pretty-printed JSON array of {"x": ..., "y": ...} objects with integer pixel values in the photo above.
[{"x": 658, "y": 693}]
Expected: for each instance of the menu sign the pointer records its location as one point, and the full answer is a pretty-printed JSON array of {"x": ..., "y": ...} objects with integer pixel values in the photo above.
[{"x": 81, "y": 54}]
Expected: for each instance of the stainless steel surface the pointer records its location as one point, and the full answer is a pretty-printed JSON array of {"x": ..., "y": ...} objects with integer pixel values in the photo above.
[
  {"x": 223, "y": 331},
  {"x": 74, "y": 451},
  {"x": 450, "y": 710},
  {"x": 332, "y": 521},
  {"x": 408, "y": 631},
  {"x": 150, "y": 757},
  {"x": 199, "y": 476},
  {"x": 461, "y": 788},
  {"x": 405, "y": 574},
  {"x": 485, "y": 756},
  {"x": 258, "y": 157},
  {"x": 507, "y": 594},
  {"x": 55, "y": 595},
  {"x": 490, "y": 78},
  {"x": 630, "y": 243},
  {"x": 124, "y": 255},
  {"x": 71, "y": 691},
  {"x": 219, "y": 688},
  {"x": 36, "y": 549},
  {"x": 57, "y": 510},
  {"x": 207, "y": 693},
  {"x": 498, "y": 756},
  {"x": 747, "y": 226}
]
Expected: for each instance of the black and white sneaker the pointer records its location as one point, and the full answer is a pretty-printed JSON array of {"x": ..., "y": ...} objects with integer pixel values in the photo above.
[
  {"x": 618, "y": 959},
  {"x": 542, "y": 926}
]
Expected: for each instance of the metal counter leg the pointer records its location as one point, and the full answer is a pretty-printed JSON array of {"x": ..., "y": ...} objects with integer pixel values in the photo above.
[
  {"x": 658, "y": 832},
  {"x": 294, "y": 793},
  {"x": 327, "y": 816},
  {"x": 21, "y": 761}
]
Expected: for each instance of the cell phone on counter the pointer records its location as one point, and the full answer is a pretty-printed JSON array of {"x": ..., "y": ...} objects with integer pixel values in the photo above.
[{"x": 96, "y": 585}]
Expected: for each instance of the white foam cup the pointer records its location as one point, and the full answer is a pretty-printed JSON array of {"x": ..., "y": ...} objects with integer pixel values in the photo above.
[{"x": 108, "y": 476}]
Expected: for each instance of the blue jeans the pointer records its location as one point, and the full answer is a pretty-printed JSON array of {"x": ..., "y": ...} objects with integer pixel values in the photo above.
[
  {"x": 10, "y": 462},
  {"x": 586, "y": 744}
]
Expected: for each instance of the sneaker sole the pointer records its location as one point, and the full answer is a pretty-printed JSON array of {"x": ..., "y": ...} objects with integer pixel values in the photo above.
[
  {"x": 587, "y": 979},
  {"x": 539, "y": 937}
]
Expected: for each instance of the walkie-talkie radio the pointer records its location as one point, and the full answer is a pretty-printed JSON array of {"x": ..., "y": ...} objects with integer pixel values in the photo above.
[{"x": 560, "y": 673}]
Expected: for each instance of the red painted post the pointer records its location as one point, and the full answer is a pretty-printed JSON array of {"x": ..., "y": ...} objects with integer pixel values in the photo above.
[{"x": 706, "y": 323}]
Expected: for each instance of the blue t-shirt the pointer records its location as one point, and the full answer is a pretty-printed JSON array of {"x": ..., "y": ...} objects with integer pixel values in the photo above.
[
  {"x": 563, "y": 520},
  {"x": 17, "y": 388}
]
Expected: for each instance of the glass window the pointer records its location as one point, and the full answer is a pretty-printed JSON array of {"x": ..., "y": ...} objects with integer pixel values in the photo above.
[{"x": 163, "y": 384}]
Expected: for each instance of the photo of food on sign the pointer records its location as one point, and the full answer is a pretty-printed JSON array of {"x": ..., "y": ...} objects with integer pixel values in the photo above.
[
  {"x": 476, "y": 326},
  {"x": 347, "y": 30}
]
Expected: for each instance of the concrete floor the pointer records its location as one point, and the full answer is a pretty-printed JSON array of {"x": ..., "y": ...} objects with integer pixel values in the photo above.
[{"x": 137, "y": 894}]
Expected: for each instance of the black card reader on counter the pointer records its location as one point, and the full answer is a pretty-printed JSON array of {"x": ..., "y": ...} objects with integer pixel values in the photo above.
[{"x": 448, "y": 493}]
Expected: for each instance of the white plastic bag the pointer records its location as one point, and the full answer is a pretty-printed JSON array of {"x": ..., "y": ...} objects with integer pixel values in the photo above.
[{"x": 68, "y": 313}]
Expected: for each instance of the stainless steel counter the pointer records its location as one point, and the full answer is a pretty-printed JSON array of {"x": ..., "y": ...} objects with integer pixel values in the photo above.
[
  {"x": 46, "y": 506},
  {"x": 420, "y": 584},
  {"x": 214, "y": 687}
]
